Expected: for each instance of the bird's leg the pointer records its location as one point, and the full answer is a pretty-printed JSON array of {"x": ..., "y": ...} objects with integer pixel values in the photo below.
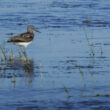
[
  {"x": 26, "y": 57},
  {"x": 20, "y": 51}
]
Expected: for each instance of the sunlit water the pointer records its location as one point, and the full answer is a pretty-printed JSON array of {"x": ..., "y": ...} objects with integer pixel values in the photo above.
[{"x": 69, "y": 59}]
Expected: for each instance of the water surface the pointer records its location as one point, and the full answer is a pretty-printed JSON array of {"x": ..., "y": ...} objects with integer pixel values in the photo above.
[{"x": 69, "y": 60}]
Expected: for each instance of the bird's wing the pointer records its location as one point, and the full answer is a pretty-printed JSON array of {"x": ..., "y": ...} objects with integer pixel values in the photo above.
[{"x": 24, "y": 37}]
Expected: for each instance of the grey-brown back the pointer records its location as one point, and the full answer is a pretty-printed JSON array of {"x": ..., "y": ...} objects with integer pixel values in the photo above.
[{"x": 24, "y": 37}]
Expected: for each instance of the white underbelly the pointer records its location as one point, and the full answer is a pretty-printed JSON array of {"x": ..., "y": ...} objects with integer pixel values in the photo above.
[{"x": 25, "y": 44}]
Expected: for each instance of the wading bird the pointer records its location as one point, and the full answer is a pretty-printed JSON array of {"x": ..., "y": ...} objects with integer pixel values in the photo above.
[{"x": 24, "y": 39}]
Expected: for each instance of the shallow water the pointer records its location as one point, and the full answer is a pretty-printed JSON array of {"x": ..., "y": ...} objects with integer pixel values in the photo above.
[{"x": 69, "y": 59}]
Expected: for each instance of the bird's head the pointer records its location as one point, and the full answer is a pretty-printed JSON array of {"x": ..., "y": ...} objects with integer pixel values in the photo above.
[{"x": 31, "y": 28}]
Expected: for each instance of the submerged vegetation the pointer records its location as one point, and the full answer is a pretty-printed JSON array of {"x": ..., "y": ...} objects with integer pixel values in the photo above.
[
  {"x": 9, "y": 60},
  {"x": 90, "y": 44},
  {"x": 8, "y": 55},
  {"x": 92, "y": 47}
]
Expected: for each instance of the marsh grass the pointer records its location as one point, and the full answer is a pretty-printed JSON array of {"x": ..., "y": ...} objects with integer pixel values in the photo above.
[
  {"x": 8, "y": 55},
  {"x": 41, "y": 75},
  {"x": 20, "y": 52},
  {"x": 41, "y": 71},
  {"x": 88, "y": 20},
  {"x": 4, "y": 53},
  {"x": 12, "y": 55},
  {"x": 92, "y": 51},
  {"x": 82, "y": 74},
  {"x": 66, "y": 90},
  {"x": 1, "y": 59},
  {"x": 93, "y": 79},
  {"x": 101, "y": 51},
  {"x": 14, "y": 79},
  {"x": 90, "y": 44}
]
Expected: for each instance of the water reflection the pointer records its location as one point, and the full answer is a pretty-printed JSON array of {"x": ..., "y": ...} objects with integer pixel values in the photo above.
[{"x": 18, "y": 68}]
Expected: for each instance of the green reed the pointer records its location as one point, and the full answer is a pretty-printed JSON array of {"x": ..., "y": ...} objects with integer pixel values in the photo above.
[
  {"x": 82, "y": 74},
  {"x": 92, "y": 76},
  {"x": 41, "y": 71},
  {"x": 101, "y": 50},
  {"x": 4, "y": 53},
  {"x": 12, "y": 55},
  {"x": 41, "y": 75},
  {"x": 14, "y": 79},
  {"x": 20, "y": 52},
  {"x": 6, "y": 56},
  {"x": 1, "y": 59},
  {"x": 87, "y": 20},
  {"x": 92, "y": 51},
  {"x": 66, "y": 90},
  {"x": 89, "y": 43}
]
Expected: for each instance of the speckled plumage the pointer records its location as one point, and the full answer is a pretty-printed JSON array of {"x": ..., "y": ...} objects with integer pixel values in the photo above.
[{"x": 24, "y": 38}]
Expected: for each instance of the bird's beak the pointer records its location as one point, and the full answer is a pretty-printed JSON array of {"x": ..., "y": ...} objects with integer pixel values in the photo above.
[{"x": 37, "y": 31}]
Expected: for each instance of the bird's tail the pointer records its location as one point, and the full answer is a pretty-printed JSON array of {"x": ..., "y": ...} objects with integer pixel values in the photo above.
[{"x": 9, "y": 40}]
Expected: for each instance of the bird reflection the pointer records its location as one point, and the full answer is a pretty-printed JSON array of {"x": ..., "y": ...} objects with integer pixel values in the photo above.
[
  {"x": 22, "y": 64},
  {"x": 19, "y": 67}
]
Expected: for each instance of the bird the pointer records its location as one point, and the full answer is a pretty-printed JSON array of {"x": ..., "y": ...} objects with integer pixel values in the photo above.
[{"x": 24, "y": 39}]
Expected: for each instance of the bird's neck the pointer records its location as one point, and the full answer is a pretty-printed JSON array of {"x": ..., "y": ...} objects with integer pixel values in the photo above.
[{"x": 30, "y": 32}]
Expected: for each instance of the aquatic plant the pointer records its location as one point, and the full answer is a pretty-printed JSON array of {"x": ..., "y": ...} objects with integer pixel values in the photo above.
[
  {"x": 20, "y": 52},
  {"x": 14, "y": 79},
  {"x": 87, "y": 20},
  {"x": 8, "y": 55},
  {"x": 82, "y": 74},
  {"x": 41, "y": 71},
  {"x": 101, "y": 50},
  {"x": 12, "y": 55},
  {"x": 93, "y": 78},
  {"x": 1, "y": 59},
  {"x": 89, "y": 44},
  {"x": 92, "y": 51},
  {"x": 3, "y": 51},
  {"x": 66, "y": 90}
]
